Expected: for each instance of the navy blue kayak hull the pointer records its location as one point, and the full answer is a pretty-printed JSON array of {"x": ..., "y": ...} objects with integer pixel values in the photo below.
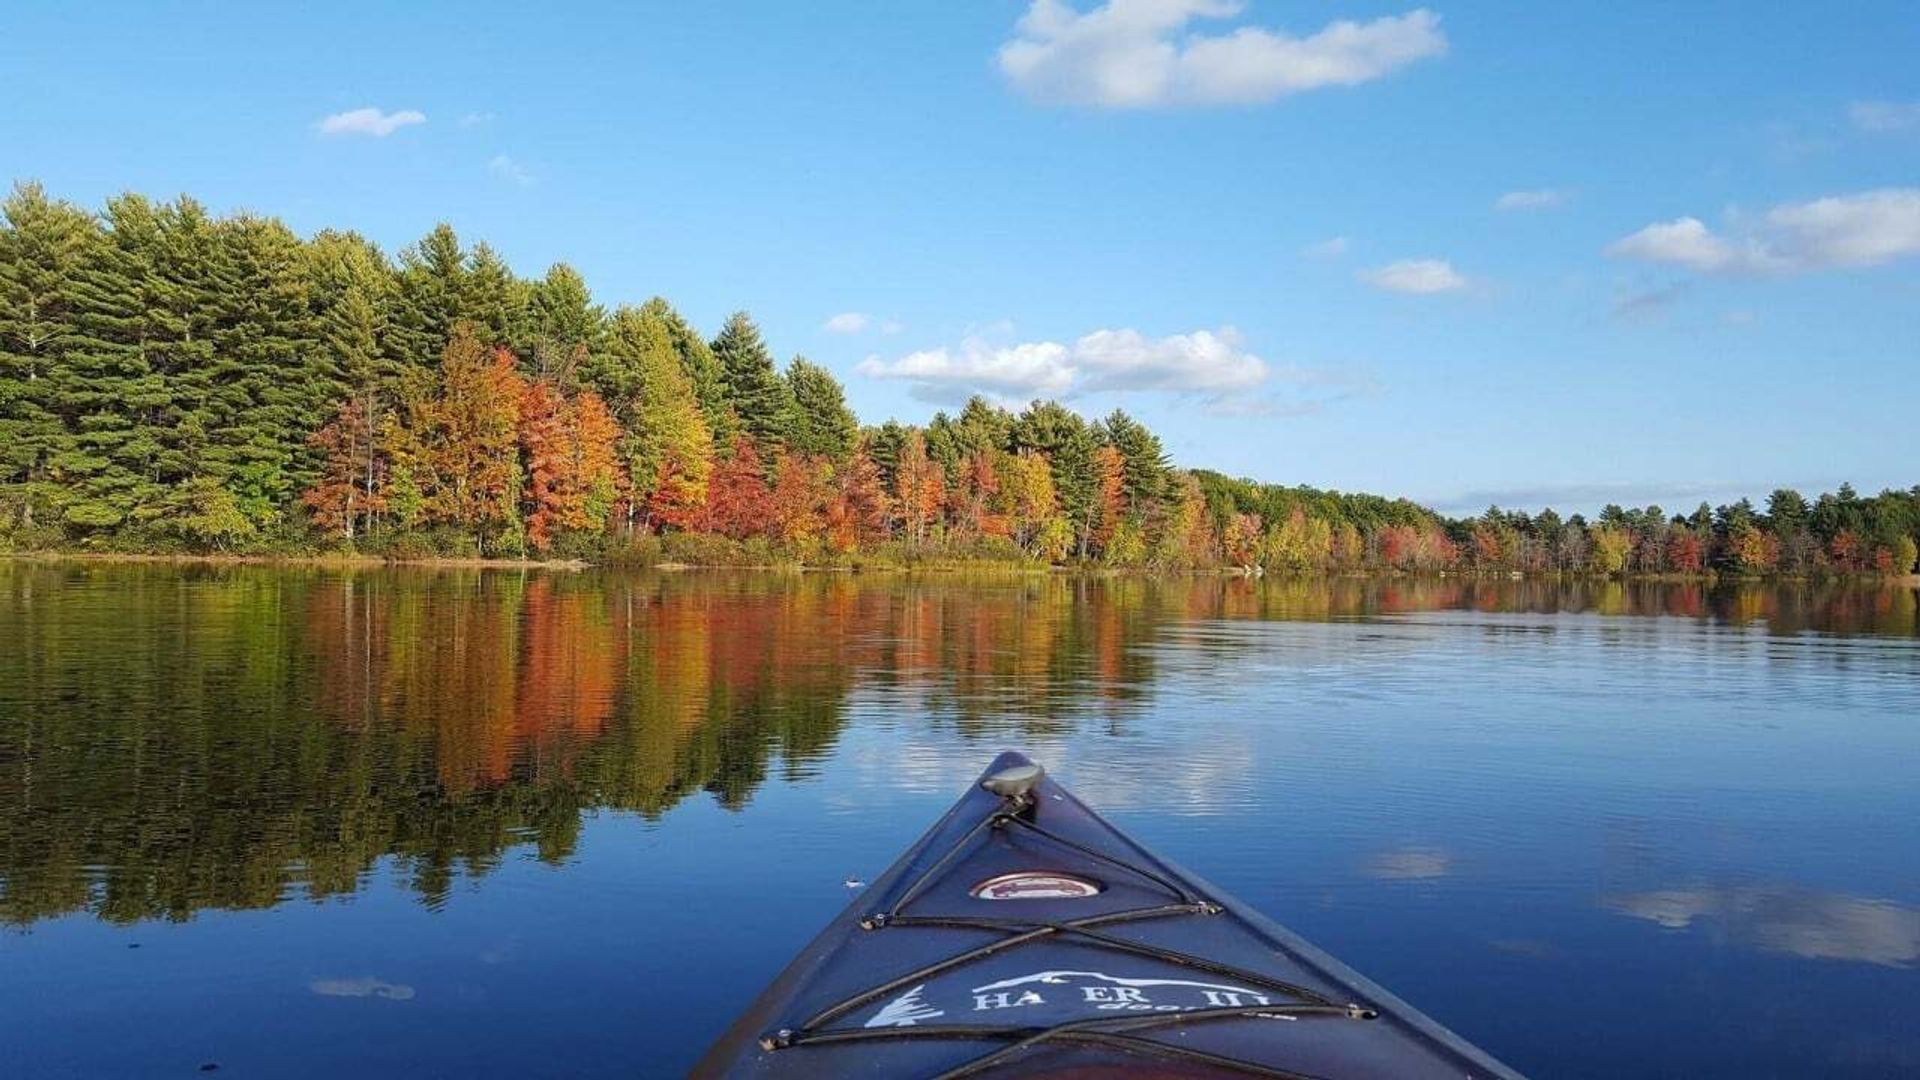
[{"x": 1080, "y": 954}]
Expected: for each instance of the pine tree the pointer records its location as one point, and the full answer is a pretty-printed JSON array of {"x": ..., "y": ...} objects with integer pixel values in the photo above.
[
  {"x": 823, "y": 426},
  {"x": 273, "y": 380},
  {"x": 492, "y": 300},
  {"x": 563, "y": 327},
  {"x": 43, "y": 245},
  {"x": 1148, "y": 474},
  {"x": 432, "y": 290},
  {"x": 107, "y": 391},
  {"x": 755, "y": 392}
]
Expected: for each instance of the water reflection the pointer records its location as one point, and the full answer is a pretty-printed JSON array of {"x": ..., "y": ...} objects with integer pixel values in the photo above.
[
  {"x": 178, "y": 739},
  {"x": 1798, "y": 922}
]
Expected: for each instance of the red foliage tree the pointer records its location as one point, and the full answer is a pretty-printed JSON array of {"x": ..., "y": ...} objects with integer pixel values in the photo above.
[
  {"x": 738, "y": 502},
  {"x": 1844, "y": 550},
  {"x": 1685, "y": 553}
]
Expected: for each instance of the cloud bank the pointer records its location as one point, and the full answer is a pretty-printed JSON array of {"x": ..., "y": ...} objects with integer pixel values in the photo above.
[
  {"x": 1208, "y": 363},
  {"x": 370, "y": 122},
  {"x": 1131, "y": 54},
  {"x": 1840, "y": 231}
]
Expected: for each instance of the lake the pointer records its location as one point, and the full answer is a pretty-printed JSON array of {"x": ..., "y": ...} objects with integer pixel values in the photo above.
[{"x": 424, "y": 822}]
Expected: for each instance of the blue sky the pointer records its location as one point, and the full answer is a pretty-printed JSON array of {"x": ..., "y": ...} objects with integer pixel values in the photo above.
[{"x": 1276, "y": 231}]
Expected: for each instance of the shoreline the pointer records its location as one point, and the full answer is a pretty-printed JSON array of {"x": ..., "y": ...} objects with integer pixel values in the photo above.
[{"x": 364, "y": 562}]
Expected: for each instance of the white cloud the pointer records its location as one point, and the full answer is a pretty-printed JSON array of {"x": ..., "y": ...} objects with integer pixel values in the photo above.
[
  {"x": 1684, "y": 242},
  {"x": 1418, "y": 276},
  {"x": 1536, "y": 199},
  {"x": 510, "y": 170},
  {"x": 1864, "y": 229},
  {"x": 1040, "y": 367},
  {"x": 847, "y": 322},
  {"x": 1883, "y": 117},
  {"x": 1850, "y": 230},
  {"x": 1208, "y": 363},
  {"x": 371, "y": 122},
  {"x": 1140, "y": 54},
  {"x": 476, "y": 119},
  {"x": 1331, "y": 248}
]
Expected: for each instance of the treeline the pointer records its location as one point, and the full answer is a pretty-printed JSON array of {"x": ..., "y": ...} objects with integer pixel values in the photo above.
[{"x": 175, "y": 381}]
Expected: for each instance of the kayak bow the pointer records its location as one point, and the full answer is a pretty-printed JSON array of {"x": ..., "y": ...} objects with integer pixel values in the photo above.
[{"x": 1023, "y": 935}]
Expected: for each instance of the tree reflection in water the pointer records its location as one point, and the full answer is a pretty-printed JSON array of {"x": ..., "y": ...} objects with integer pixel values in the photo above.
[{"x": 174, "y": 738}]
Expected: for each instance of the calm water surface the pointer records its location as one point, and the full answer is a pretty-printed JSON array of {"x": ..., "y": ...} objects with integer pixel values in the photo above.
[{"x": 462, "y": 823}]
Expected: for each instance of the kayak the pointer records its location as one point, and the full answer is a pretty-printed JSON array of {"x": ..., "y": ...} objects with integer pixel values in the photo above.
[{"x": 1025, "y": 936}]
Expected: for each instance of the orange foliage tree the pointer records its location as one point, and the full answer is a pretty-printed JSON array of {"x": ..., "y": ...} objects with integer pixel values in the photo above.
[
  {"x": 798, "y": 500},
  {"x": 920, "y": 489},
  {"x": 860, "y": 511},
  {"x": 471, "y": 436},
  {"x": 1110, "y": 486},
  {"x": 349, "y": 490}
]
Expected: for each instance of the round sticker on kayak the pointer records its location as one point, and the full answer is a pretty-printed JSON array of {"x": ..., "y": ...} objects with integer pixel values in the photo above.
[{"x": 1035, "y": 885}]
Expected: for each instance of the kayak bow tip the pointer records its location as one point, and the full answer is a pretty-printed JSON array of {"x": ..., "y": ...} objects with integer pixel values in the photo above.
[{"x": 1014, "y": 781}]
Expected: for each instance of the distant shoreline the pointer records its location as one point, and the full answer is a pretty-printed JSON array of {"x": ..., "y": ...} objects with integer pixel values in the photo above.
[{"x": 363, "y": 562}]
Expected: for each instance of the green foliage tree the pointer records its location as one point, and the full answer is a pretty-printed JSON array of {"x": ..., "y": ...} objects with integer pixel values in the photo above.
[
  {"x": 1148, "y": 473},
  {"x": 823, "y": 426},
  {"x": 562, "y": 328},
  {"x": 43, "y": 246},
  {"x": 760, "y": 399}
]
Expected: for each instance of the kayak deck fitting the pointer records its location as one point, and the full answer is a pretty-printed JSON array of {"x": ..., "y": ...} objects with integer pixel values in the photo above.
[{"x": 1025, "y": 920}]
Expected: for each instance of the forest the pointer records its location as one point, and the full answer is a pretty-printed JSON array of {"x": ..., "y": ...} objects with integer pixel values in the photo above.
[{"x": 173, "y": 381}]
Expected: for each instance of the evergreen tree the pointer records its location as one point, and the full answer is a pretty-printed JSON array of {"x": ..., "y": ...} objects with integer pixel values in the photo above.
[
  {"x": 1147, "y": 471},
  {"x": 755, "y": 392},
  {"x": 432, "y": 286},
  {"x": 983, "y": 426},
  {"x": 110, "y": 392},
  {"x": 823, "y": 426},
  {"x": 271, "y": 381},
  {"x": 884, "y": 444},
  {"x": 563, "y": 327},
  {"x": 43, "y": 245},
  {"x": 492, "y": 300}
]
